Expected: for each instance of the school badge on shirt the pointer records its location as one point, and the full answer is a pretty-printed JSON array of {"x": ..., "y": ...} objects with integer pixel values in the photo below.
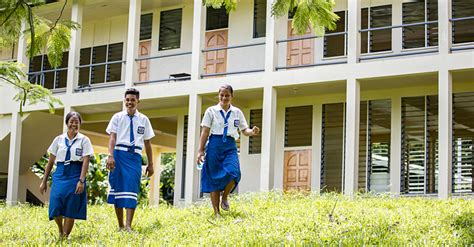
[
  {"x": 79, "y": 152},
  {"x": 236, "y": 123},
  {"x": 141, "y": 130}
]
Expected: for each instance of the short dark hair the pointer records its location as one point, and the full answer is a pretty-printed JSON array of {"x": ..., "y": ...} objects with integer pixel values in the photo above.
[
  {"x": 228, "y": 87},
  {"x": 73, "y": 114},
  {"x": 132, "y": 91}
]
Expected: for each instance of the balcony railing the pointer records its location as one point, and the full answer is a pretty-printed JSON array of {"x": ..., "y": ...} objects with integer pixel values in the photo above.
[
  {"x": 176, "y": 74},
  {"x": 91, "y": 85},
  {"x": 232, "y": 56},
  {"x": 324, "y": 60},
  {"x": 39, "y": 77}
]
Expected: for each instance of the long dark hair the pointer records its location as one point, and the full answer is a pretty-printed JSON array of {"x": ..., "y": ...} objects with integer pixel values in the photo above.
[{"x": 72, "y": 114}]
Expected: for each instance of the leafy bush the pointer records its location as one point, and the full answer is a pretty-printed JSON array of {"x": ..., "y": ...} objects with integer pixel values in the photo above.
[{"x": 168, "y": 161}]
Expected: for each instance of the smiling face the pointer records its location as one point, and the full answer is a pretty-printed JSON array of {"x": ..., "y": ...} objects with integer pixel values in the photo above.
[
  {"x": 73, "y": 124},
  {"x": 131, "y": 103},
  {"x": 225, "y": 97}
]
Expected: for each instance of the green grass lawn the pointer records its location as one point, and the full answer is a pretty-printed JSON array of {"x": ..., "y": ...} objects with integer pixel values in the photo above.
[{"x": 264, "y": 218}]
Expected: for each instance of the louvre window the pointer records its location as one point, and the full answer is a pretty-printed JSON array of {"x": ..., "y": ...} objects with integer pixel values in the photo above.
[
  {"x": 463, "y": 123},
  {"x": 185, "y": 146},
  {"x": 332, "y": 147},
  {"x": 298, "y": 126},
  {"x": 419, "y": 145},
  {"x": 335, "y": 45},
  {"x": 146, "y": 24},
  {"x": 463, "y": 31},
  {"x": 100, "y": 73},
  {"x": 216, "y": 19},
  {"x": 379, "y": 40},
  {"x": 255, "y": 142},
  {"x": 51, "y": 79},
  {"x": 259, "y": 18},
  {"x": 170, "y": 29},
  {"x": 420, "y": 35}
]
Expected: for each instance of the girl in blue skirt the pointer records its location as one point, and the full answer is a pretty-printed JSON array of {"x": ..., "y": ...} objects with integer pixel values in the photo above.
[
  {"x": 68, "y": 198},
  {"x": 221, "y": 169}
]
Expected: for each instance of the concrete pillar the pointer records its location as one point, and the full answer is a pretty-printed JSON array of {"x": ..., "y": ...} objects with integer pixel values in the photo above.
[
  {"x": 352, "y": 136},
  {"x": 74, "y": 47},
  {"x": 134, "y": 14},
  {"x": 353, "y": 27},
  {"x": 154, "y": 196},
  {"x": 395, "y": 145},
  {"x": 444, "y": 26},
  {"x": 271, "y": 48},
  {"x": 14, "y": 159},
  {"x": 199, "y": 22},
  {"x": 22, "y": 57},
  {"x": 178, "y": 174},
  {"x": 268, "y": 138},
  {"x": 445, "y": 133},
  {"x": 397, "y": 33},
  {"x": 194, "y": 121},
  {"x": 67, "y": 109},
  {"x": 317, "y": 145}
]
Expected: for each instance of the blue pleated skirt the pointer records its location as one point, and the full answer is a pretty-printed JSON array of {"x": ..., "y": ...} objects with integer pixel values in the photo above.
[
  {"x": 221, "y": 164},
  {"x": 124, "y": 180},
  {"x": 63, "y": 201}
]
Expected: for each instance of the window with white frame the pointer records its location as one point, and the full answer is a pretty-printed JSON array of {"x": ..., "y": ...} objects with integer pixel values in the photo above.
[
  {"x": 377, "y": 40},
  {"x": 463, "y": 30},
  {"x": 170, "y": 29},
  {"x": 96, "y": 67},
  {"x": 419, "y": 11},
  {"x": 41, "y": 72},
  {"x": 336, "y": 45}
]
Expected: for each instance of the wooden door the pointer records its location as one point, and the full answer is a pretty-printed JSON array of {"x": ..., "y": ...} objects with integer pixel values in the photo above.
[
  {"x": 216, "y": 61},
  {"x": 297, "y": 173},
  {"x": 143, "y": 65},
  {"x": 299, "y": 52}
]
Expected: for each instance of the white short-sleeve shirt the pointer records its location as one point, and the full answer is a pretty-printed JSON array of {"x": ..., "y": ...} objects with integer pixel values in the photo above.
[
  {"x": 214, "y": 120},
  {"x": 120, "y": 124},
  {"x": 80, "y": 148}
]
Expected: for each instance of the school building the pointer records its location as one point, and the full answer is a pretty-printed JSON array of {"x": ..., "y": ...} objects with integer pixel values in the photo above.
[{"x": 384, "y": 103}]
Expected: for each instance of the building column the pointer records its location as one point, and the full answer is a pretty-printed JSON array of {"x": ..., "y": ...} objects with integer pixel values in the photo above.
[
  {"x": 397, "y": 33},
  {"x": 353, "y": 27},
  {"x": 352, "y": 136},
  {"x": 194, "y": 119},
  {"x": 14, "y": 159},
  {"x": 444, "y": 26},
  {"x": 74, "y": 47},
  {"x": 271, "y": 48},
  {"x": 316, "y": 151},
  {"x": 179, "y": 169},
  {"x": 154, "y": 196},
  {"x": 198, "y": 39},
  {"x": 268, "y": 138},
  {"x": 395, "y": 145},
  {"x": 134, "y": 14},
  {"x": 445, "y": 133},
  {"x": 67, "y": 109}
]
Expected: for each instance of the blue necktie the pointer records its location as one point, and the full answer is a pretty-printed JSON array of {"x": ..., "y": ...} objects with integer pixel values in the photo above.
[
  {"x": 132, "y": 137},
  {"x": 226, "y": 124},
  {"x": 67, "y": 160}
]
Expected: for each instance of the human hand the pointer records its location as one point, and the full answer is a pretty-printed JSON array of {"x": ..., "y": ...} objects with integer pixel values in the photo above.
[
  {"x": 43, "y": 187},
  {"x": 149, "y": 170},
  {"x": 110, "y": 162},
  {"x": 255, "y": 130},
  {"x": 200, "y": 157},
  {"x": 79, "y": 187}
]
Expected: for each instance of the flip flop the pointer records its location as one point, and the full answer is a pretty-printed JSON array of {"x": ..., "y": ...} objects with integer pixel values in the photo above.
[{"x": 225, "y": 205}]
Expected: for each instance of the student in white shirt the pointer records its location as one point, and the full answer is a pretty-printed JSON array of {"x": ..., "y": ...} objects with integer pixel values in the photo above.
[
  {"x": 71, "y": 152},
  {"x": 130, "y": 132},
  {"x": 221, "y": 169}
]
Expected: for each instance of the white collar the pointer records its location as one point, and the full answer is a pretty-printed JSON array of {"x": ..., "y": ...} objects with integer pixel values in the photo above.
[
  {"x": 219, "y": 107},
  {"x": 135, "y": 115},
  {"x": 78, "y": 136}
]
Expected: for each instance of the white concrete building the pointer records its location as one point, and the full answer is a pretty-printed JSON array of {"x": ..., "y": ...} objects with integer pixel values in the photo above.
[{"x": 384, "y": 103}]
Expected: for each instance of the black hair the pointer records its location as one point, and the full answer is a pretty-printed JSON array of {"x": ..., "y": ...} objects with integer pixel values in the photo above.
[
  {"x": 228, "y": 87},
  {"x": 132, "y": 91},
  {"x": 73, "y": 114}
]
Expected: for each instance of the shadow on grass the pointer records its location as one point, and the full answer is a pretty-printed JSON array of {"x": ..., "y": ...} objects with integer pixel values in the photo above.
[{"x": 465, "y": 224}]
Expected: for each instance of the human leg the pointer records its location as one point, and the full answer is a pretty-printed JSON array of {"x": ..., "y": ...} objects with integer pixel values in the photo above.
[
  {"x": 59, "y": 222},
  {"x": 68, "y": 225},
  {"x": 225, "y": 195},
  {"x": 215, "y": 198},
  {"x": 119, "y": 214},
  {"x": 130, "y": 213}
]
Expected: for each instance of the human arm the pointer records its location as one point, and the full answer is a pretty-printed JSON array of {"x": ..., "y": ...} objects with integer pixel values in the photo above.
[
  {"x": 149, "y": 155},
  {"x": 44, "y": 183},
  {"x": 251, "y": 132},
  {"x": 110, "y": 158},
  {"x": 82, "y": 178},
  {"x": 202, "y": 143}
]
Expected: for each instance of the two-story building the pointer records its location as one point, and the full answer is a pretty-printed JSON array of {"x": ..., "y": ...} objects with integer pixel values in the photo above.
[{"x": 384, "y": 103}]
